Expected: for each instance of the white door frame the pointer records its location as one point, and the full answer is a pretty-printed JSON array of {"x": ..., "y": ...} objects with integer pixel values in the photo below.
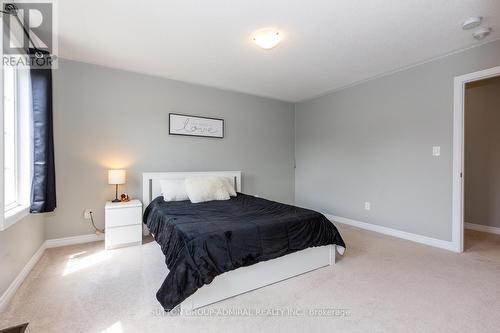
[{"x": 458, "y": 152}]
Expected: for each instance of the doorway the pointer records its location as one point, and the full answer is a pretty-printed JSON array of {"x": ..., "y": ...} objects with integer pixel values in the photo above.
[{"x": 471, "y": 86}]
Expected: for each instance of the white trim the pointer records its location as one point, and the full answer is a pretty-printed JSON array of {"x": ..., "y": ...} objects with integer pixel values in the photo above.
[
  {"x": 58, "y": 242},
  {"x": 15, "y": 214},
  {"x": 22, "y": 149},
  {"x": 11, "y": 290},
  {"x": 447, "y": 245},
  {"x": 458, "y": 152},
  {"x": 483, "y": 228},
  {"x": 2, "y": 159},
  {"x": 6, "y": 297}
]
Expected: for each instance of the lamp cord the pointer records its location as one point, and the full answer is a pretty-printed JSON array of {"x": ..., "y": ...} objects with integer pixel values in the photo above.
[{"x": 97, "y": 230}]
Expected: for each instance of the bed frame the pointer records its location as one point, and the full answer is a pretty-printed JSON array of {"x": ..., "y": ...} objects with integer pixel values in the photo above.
[{"x": 248, "y": 278}]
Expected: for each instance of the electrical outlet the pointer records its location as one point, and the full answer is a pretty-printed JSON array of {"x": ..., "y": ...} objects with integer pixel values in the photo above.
[
  {"x": 368, "y": 205},
  {"x": 86, "y": 213},
  {"x": 436, "y": 151}
]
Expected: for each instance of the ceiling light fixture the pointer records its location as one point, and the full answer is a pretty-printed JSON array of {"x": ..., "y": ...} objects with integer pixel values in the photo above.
[
  {"x": 481, "y": 33},
  {"x": 472, "y": 22},
  {"x": 267, "y": 38}
]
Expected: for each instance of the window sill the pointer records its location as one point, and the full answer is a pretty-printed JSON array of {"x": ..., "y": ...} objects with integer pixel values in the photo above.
[{"x": 15, "y": 214}]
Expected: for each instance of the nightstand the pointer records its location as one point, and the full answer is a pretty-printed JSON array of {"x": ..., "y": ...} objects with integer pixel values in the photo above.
[{"x": 123, "y": 224}]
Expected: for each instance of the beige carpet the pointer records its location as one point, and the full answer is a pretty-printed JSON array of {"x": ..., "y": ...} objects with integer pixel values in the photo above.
[{"x": 382, "y": 284}]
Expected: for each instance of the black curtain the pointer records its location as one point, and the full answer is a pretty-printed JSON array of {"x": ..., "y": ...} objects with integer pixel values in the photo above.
[{"x": 43, "y": 184}]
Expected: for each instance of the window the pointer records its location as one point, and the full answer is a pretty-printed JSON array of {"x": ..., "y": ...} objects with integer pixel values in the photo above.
[
  {"x": 10, "y": 140},
  {"x": 17, "y": 146}
]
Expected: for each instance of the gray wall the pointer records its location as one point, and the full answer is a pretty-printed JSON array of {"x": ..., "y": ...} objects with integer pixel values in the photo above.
[
  {"x": 373, "y": 142},
  {"x": 482, "y": 152},
  {"x": 106, "y": 118},
  {"x": 18, "y": 243}
]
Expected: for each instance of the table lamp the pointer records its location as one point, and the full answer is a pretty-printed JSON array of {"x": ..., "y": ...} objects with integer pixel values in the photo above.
[{"x": 116, "y": 177}]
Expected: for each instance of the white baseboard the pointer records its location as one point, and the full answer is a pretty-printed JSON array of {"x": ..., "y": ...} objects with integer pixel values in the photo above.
[
  {"x": 483, "y": 228},
  {"x": 58, "y": 242},
  {"x": 447, "y": 245},
  {"x": 11, "y": 290},
  {"x": 50, "y": 243}
]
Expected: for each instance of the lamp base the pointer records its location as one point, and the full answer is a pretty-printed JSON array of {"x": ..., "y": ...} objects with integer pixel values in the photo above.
[{"x": 116, "y": 194}]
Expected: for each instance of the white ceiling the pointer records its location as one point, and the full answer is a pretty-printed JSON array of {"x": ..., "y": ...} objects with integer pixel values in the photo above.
[{"x": 328, "y": 44}]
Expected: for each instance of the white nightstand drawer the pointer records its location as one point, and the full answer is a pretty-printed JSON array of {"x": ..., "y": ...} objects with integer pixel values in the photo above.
[
  {"x": 123, "y": 216},
  {"x": 123, "y": 236},
  {"x": 123, "y": 222}
]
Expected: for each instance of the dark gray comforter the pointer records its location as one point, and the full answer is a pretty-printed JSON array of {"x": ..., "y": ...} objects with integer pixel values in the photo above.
[{"x": 203, "y": 240}]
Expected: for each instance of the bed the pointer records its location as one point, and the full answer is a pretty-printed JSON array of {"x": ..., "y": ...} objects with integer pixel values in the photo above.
[{"x": 218, "y": 249}]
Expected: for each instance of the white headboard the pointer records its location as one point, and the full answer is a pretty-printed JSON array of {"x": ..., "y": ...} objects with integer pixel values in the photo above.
[{"x": 151, "y": 181}]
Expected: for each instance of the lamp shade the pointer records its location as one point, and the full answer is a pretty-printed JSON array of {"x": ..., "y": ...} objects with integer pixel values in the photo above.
[{"x": 116, "y": 176}]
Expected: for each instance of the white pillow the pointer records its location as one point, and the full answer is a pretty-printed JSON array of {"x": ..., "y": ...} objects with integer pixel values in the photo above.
[
  {"x": 201, "y": 189},
  {"x": 228, "y": 184},
  {"x": 173, "y": 190}
]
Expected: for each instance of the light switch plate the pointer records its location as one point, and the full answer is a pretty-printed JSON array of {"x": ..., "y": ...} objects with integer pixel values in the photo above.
[
  {"x": 436, "y": 151},
  {"x": 368, "y": 206}
]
